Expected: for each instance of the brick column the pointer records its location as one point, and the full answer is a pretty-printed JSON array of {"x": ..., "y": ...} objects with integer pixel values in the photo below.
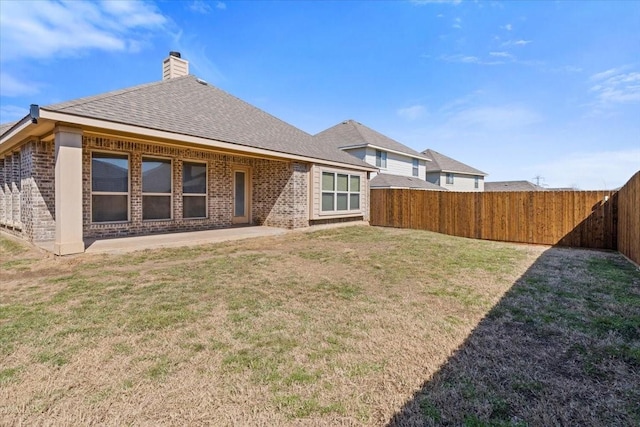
[{"x": 68, "y": 191}]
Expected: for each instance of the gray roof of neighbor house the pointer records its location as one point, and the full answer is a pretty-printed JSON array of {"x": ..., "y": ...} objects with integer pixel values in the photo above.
[
  {"x": 512, "y": 186},
  {"x": 383, "y": 180},
  {"x": 440, "y": 162},
  {"x": 189, "y": 106},
  {"x": 351, "y": 133}
]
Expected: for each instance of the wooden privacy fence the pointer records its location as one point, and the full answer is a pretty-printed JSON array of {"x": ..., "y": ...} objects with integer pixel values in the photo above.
[
  {"x": 568, "y": 218},
  {"x": 587, "y": 219},
  {"x": 628, "y": 199}
]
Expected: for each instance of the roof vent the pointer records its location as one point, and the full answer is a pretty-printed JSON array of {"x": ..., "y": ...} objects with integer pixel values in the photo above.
[{"x": 174, "y": 66}]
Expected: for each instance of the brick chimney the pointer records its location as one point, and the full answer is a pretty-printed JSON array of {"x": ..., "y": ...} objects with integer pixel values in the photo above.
[{"x": 174, "y": 66}]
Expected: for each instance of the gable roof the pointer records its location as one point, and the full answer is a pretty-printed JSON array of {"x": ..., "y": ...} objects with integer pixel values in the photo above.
[
  {"x": 384, "y": 180},
  {"x": 189, "y": 106},
  {"x": 352, "y": 134},
  {"x": 441, "y": 163},
  {"x": 512, "y": 186}
]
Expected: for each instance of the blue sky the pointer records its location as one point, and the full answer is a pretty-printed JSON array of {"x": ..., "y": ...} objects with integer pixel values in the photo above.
[{"x": 515, "y": 89}]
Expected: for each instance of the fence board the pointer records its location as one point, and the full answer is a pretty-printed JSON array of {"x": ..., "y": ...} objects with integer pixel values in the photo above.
[
  {"x": 567, "y": 218},
  {"x": 628, "y": 213}
]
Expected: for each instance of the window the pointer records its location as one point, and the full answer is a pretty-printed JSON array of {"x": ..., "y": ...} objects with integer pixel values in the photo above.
[
  {"x": 449, "y": 178},
  {"x": 109, "y": 187},
  {"x": 415, "y": 167},
  {"x": 194, "y": 190},
  {"x": 156, "y": 189},
  {"x": 381, "y": 159},
  {"x": 340, "y": 192},
  {"x": 476, "y": 182}
]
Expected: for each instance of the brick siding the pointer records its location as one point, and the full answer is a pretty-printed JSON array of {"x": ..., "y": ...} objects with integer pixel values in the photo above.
[{"x": 275, "y": 189}]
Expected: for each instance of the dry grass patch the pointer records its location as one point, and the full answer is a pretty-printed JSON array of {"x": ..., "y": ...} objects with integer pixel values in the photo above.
[{"x": 335, "y": 327}]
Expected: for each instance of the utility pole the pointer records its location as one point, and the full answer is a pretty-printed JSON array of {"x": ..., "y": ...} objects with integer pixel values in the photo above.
[{"x": 538, "y": 178}]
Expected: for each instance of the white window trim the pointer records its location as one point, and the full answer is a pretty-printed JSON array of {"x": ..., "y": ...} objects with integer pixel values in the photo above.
[
  {"x": 205, "y": 194},
  {"x": 383, "y": 159},
  {"x": 170, "y": 194},
  {"x": 447, "y": 178},
  {"x": 335, "y": 193},
  {"x": 110, "y": 193}
]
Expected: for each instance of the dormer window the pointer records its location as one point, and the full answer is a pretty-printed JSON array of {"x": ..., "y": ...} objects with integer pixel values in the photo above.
[{"x": 381, "y": 159}]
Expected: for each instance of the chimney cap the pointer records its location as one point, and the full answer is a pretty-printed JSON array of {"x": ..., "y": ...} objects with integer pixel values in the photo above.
[{"x": 175, "y": 53}]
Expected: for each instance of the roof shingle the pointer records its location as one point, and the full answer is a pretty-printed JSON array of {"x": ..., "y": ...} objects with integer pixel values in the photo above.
[
  {"x": 440, "y": 162},
  {"x": 190, "y": 106},
  {"x": 350, "y": 133},
  {"x": 384, "y": 180}
]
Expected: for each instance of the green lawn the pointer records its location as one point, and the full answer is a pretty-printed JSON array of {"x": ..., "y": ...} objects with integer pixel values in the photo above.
[{"x": 348, "y": 326}]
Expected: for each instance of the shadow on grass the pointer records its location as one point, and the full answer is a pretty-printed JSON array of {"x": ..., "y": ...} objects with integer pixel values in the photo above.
[{"x": 562, "y": 347}]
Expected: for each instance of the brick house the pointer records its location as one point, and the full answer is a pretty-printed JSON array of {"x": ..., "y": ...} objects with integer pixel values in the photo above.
[{"x": 169, "y": 156}]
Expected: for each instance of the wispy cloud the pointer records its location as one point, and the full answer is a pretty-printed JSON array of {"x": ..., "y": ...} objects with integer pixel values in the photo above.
[
  {"x": 220, "y": 5},
  {"x": 501, "y": 55},
  {"x": 615, "y": 86},
  {"x": 52, "y": 28},
  {"x": 200, "y": 6},
  {"x": 11, "y": 86},
  {"x": 11, "y": 113},
  {"x": 412, "y": 113},
  {"x": 507, "y": 27},
  {"x": 468, "y": 59},
  {"x": 519, "y": 42},
  {"x": 457, "y": 23}
]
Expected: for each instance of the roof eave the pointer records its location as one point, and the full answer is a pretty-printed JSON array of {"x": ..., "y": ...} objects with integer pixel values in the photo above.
[
  {"x": 377, "y": 147},
  {"x": 172, "y": 136},
  {"x": 8, "y": 139}
]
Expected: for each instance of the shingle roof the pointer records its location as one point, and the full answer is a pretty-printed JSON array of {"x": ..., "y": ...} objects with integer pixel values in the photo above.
[
  {"x": 6, "y": 126},
  {"x": 512, "y": 186},
  {"x": 189, "y": 106},
  {"x": 383, "y": 180},
  {"x": 350, "y": 132},
  {"x": 440, "y": 162}
]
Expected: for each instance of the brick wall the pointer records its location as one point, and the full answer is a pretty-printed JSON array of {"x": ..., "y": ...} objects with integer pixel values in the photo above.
[
  {"x": 276, "y": 187},
  {"x": 27, "y": 203}
]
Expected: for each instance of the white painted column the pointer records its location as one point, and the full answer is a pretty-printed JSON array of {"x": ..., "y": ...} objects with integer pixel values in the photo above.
[{"x": 68, "y": 179}]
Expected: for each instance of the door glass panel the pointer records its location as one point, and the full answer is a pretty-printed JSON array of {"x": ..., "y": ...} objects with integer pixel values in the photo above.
[{"x": 240, "y": 196}]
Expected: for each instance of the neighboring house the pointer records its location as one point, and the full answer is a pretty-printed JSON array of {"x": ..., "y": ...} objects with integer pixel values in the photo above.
[
  {"x": 452, "y": 174},
  {"x": 174, "y": 155},
  {"x": 512, "y": 186},
  {"x": 395, "y": 161}
]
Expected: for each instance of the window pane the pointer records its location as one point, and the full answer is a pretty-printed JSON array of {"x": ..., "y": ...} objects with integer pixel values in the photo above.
[
  {"x": 343, "y": 182},
  {"x": 109, "y": 172},
  {"x": 327, "y": 182},
  {"x": 156, "y": 176},
  {"x": 378, "y": 158},
  {"x": 109, "y": 208},
  {"x": 355, "y": 184},
  {"x": 156, "y": 207},
  {"x": 239, "y": 194},
  {"x": 343, "y": 200},
  {"x": 194, "y": 206},
  {"x": 327, "y": 201},
  {"x": 355, "y": 201},
  {"x": 194, "y": 178}
]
